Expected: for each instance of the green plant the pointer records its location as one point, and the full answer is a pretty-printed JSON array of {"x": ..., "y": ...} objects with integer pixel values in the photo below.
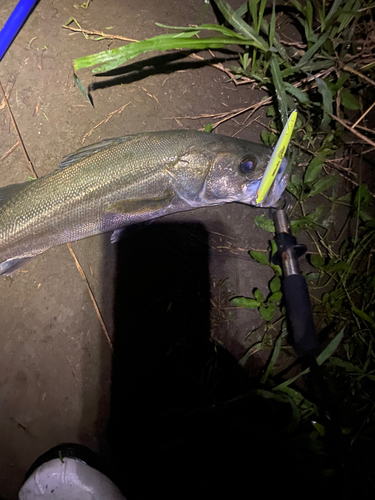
[{"x": 266, "y": 305}]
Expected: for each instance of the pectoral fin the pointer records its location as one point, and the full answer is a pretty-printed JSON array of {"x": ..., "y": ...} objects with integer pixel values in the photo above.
[
  {"x": 147, "y": 206},
  {"x": 9, "y": 266},
  {"x": 125, "y": 232}
]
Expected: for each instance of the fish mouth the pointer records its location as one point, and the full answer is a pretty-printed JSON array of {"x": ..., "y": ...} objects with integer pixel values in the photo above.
[{"x": 275, "y": 192}]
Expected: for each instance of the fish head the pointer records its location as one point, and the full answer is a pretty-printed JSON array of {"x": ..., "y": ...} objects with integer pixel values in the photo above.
[{"x": 233, "y": 171}]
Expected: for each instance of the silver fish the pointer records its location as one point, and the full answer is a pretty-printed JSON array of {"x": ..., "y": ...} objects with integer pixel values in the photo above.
[{"x": 123, "y": 181}]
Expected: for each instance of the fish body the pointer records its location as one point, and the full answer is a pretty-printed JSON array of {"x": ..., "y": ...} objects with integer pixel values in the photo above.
[{"x": 127, "y": 180}]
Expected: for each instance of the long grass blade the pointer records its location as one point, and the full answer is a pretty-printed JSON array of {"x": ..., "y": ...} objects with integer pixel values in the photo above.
[
  {"x": 240, "y": 25},
  {"x": 210, "y": 27},
  {"x": 333, "y": 10},
  {"x": 272, "y": 24},
  {"x": 111, "y": 59},
  {"x": 322, "y": 358},
  {"x": 302, "y": 97},
  {"x": 253, "y": 8},
  {"x": 309, "y": 53},
  {"x": 279, "y": 89},
  {"x": 327, "y": 102}
]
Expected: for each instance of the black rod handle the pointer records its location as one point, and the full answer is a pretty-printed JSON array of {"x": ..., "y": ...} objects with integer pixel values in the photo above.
[{"x": 299, "y": 315}]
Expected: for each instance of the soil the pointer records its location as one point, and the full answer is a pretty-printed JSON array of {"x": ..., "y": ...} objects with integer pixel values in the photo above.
[{"x": 162, "y": 292}]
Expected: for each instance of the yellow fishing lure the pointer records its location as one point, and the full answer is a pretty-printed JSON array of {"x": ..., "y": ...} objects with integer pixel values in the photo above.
[{"x": 276, "y": 158}]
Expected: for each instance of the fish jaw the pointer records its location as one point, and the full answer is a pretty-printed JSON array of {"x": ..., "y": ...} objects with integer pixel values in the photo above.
[
  {"x": 278, "y": 186},
  {"x": 275, "y": 192}
]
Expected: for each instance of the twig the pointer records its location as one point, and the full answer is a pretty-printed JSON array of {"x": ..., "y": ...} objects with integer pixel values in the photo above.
[
  {"x": 253, "y": 108},
  {"x": 104, "y": 121},
  {"x": 9, "y": 88},
  {"x": 5, "y": 155},
  {"x": 299, "y": 45},
  {"x": 100, "y": 33},
  {"x": 30, "y": 165},
  {"x": 355, "y": 132},
  {"x": 83, "y": 276},
  {"x": 364, "y": 114},
  {"x": 247, "y": 124},
  {"x": 369, "y": 130},
  {"x": 150, "y": 95},
  {"x": 357, "y": 73}
]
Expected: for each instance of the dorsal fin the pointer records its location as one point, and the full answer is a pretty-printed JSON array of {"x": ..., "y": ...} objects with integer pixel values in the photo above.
[
  {"x": 7, "y": 192},
  {"x": 86, "y": 151}
]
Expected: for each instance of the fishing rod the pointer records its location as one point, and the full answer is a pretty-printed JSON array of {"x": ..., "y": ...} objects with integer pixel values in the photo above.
[
  {"x": 296, "y": 295},
  {"x": 14, "y": 24}
]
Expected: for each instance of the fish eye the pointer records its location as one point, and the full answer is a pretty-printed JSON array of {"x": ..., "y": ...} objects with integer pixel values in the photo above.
[{"x": 246, "y": 165}]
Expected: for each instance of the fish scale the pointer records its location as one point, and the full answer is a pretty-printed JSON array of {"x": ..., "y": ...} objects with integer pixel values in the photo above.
[{"x": 122, "y": 181}]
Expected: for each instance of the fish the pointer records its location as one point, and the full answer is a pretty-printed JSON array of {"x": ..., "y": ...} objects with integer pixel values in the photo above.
[{"x": 125, "y": 181}]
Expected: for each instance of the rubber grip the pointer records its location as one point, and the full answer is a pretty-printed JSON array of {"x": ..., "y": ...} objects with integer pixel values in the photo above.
[{"x": 299, "y": 315}]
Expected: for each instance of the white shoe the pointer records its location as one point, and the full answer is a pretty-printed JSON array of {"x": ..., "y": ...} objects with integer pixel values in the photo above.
[{"x": 68, "y": 477}]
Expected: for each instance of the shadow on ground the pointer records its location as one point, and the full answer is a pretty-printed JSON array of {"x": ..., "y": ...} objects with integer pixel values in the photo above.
[{"x": 182, "y": 424}]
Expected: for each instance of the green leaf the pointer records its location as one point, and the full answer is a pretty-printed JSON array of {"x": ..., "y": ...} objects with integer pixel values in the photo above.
[
  {"x": 309, "y": 19},
  {"x": 240, "y": 25},
  {"x": 276, "y": 269},
  {"x": 333, "y": 11},
  {"x": 111, "y": 59},
  {"x": 245, "y": 302},
  {"x": 362, "y": 196},
  {"x": 81, "y": 87},
  {"x": 279, "y": 89},
  {"x": 209, "y": 27},
  {"x": 308, "y": 55},
  {"x": 313, "y": 170},
  {"x": 266, "y": 312},
  {"x": 298, "y": 6},
  {"x": 291, "y": 188},
  {"x": 260, "y": 257},
  {"x": 348, "y": 100},
  {"x": 275, "y": 297},
  {"x": 317, "y": 261},
  {"x": 258, "y": 295},
  {"x": 346, "y": 198},
  {"x": 323, "y": 184},
  {"x": 272, "y": 139},
  {"x": 272, "y": 361},
  {"x": 327, "y": 102},
  {"x": 338, "y": 266},
  {"x": 297, "y": 181},
  {"x": 302, "y": 97},
  {"x": 365, "y": 217},
  {"x": 264, "y": 136},
  {"x": 307, "y": 221},
  {"x": 264, "y": 223},
  {"x": 322, "y": 358},
  {"x": 253, "y": 8},
  {"x": 272, "y": 24},
  {"x": 275, "y": 284},
  {"x": 344, "y": 247},
  {"x": 340, "y": 82},
  {"x": 363, "y": 315},
  {"x": 316, "y": 214},
  {"x": 312, "y": 277},
  {"x": 208, "y": 127}
]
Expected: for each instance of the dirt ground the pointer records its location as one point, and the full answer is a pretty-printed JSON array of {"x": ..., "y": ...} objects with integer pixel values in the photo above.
[{"x": 59, "y": 381}]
